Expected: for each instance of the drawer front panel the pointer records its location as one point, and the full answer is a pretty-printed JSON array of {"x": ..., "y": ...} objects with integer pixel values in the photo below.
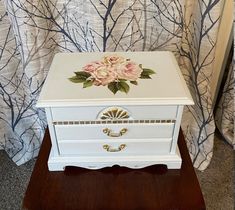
[
  {"x": 93, "y": 113},
  {"x": 106, "y": 148},
  {"x": 114, "y": 131}
]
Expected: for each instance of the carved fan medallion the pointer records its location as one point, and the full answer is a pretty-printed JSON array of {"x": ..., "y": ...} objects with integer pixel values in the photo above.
[{"x": 113, "y": 113}]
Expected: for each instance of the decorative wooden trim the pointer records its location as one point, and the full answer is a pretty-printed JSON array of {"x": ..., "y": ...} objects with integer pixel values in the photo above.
[
  {"x": 112, "y": 122},
  {"x": 114, "y": 113}
]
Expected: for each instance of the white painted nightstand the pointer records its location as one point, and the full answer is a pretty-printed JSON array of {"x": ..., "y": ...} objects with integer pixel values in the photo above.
[{"x": 118, "y": 108}]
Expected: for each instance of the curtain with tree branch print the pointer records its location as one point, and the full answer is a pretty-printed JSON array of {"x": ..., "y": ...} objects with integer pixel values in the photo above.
[
  {"x": 225, "y": 111},
  {"x": 33, "y": 31}
]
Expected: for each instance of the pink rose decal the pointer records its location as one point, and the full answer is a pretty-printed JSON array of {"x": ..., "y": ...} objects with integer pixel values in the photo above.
[
  {"x": 103, "y": 75},
  {"x": 114, "y": 72},
  {"x": 129, "y": 71},
  {"x": 113, "y": 60},
  {"x": 91, "y": 67}
]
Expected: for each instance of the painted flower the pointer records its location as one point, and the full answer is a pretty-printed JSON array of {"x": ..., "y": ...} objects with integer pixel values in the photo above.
[
  {"x": 91, "y": 67},
  {"x": 129, "y": 71},
  {"x": 113, "y": 60},
  {"x": 114, "y": 71},
  {"x": 103, "y": 75}
]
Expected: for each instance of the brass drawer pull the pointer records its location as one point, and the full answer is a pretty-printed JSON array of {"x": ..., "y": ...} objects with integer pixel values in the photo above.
[
  {"x": 111, "y": 134},
  {"x": 110, "y": 149}
]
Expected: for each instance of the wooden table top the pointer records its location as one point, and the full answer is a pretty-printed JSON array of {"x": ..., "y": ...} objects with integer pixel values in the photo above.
[{"x": 115, "y": 188}]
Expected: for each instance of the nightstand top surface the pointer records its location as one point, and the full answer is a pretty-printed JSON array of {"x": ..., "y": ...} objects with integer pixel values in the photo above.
[{"x": 165, "y": 85}]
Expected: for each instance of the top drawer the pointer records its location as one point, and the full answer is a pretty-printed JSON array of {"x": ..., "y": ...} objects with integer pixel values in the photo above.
[{"x": 122, "y": 112}]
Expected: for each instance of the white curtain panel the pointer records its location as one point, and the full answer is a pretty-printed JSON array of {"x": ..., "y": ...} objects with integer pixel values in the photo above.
[{"x": 31, "y": 32}]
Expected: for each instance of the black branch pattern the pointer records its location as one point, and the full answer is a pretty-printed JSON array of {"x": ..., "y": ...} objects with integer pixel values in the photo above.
[
  {"x": 197, "y": 53},
  {"x": 224, "y": 116},
  {"x": 35, "y": 30}
]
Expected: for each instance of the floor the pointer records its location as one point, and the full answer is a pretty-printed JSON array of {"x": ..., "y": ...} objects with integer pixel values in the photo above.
[
  {"x": 13, "y": 182},
  {"x": 216, "y": 181}
]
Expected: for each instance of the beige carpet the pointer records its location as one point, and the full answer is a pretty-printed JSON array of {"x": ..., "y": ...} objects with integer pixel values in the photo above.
[{"x": 217, "y": 181}]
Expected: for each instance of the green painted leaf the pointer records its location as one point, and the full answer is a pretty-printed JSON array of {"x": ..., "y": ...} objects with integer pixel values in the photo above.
[
  {"x": 87, "y": 83},
  {"x": 113, "y": 87},
  {"x": 145, "y": 76},
  {"x": 122, "y": 80},
  {"x": 148, "y": 71},
  {"x": 123, "y": 87},
  {"x": 82, "y": 74},
  {"x": 75, "y": 79},
  {"x": 134, "y": 82}
]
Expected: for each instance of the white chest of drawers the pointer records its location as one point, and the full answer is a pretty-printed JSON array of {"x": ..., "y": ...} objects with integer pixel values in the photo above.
[{"x": 106, "y": 109}]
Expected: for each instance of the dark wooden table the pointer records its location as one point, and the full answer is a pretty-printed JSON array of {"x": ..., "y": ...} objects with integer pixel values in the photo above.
[{"x": 115, "y": 188}]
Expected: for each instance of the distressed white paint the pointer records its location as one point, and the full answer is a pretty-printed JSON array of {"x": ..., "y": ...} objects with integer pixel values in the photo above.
[{"x": 159, "y": 98}]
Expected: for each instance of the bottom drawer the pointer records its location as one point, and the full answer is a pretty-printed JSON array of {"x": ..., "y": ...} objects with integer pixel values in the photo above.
[{"x": 106, "y": 148}]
